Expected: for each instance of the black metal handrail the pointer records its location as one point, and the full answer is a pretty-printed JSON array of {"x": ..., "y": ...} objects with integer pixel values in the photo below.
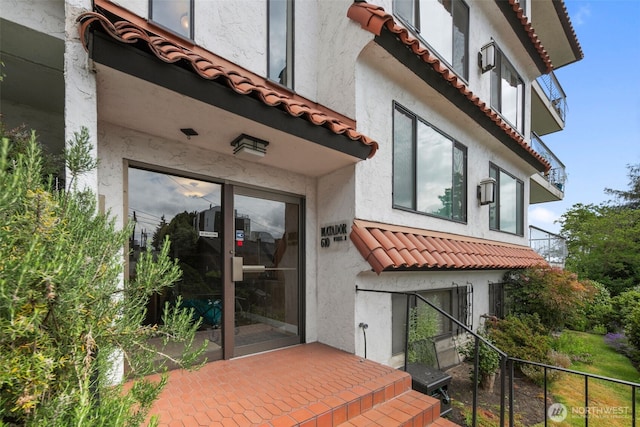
[
  {"x": 507, "y": 366},
  {"x": 587, "y": 376},
  {"x": 478, "y": 340}
]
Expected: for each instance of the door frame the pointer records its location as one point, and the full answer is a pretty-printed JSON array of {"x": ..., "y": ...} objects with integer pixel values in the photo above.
[{"x": 228, "y": 190}]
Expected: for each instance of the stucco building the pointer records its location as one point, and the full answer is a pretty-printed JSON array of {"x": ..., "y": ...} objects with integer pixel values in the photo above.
[{"x": 332, "y": 145}]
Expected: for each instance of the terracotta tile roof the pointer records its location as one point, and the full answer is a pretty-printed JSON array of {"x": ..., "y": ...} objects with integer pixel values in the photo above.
[
  {"x": 524, "y": 20},
  {"x": 127, "y": 27},
  {"x": 387, "y": 248},
  {"x": 374, "y": 18}
]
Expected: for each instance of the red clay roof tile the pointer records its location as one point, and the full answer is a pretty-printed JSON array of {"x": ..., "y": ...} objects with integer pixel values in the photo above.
[
  {"x": 127, "y": 27},
  {"x": 387, "y": 247},
  {"x": 374, "y": 18}
]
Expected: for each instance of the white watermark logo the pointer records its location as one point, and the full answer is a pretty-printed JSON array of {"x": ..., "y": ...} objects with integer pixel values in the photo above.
[{"x": 557, "y": 412}]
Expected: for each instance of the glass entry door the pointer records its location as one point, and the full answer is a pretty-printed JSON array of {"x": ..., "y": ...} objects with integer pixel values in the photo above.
[
  {"x": 267, "y": 299},
  {"x": 207, "y": 224}
]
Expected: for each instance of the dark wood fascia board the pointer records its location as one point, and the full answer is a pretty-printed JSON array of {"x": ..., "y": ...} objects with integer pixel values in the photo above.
[
  {"x": 426, "y": 73},
  {"x": 523, "y": 36},
  {"x": 133, "y": 60}
]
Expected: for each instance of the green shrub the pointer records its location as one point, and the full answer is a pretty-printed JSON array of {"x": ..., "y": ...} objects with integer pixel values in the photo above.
[
  {"x": 554, "y": 295},
  {"x": 622, "y": 306},
  {"x": 632, "y": 328},
  {"x": 537, "y": 374},
  {"x": 64, "y": 314},
  {"x": 598, "y": 307},
  {"x": 521, "y": 336},
  {"x": 488, "y": 358}
]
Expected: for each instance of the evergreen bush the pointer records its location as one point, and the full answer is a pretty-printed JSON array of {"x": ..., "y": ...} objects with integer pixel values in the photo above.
[{"x": 68, "y": 322}]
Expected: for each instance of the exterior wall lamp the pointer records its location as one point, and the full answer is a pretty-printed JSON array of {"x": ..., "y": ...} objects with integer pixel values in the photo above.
[
  {"x": 487, "y": 57},
  {"x": 249, "y": 148},
  {"x": 487, "y": 191}
]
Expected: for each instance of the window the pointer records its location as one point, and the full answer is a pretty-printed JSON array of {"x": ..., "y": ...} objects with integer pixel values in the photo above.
[
  {"x": 507, "y": 92},
  {"x": 441, "y": 24},
  {"x": 497, "y": 300},
  {"x": 457, "y": 301},
  {"x": 280, "y": 41},
  {"x": 506, "y": 213},
  {"x": 429, "y": 169},
  {"x": 175, "y": 15}
]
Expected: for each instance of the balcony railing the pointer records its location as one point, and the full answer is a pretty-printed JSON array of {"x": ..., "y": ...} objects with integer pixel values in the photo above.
[
  {"x": 557, "y": 175},
  {"x": 551, "y": 87},
  {"x": 507, "y": 376},
  {"x": 552, "y": 247}
]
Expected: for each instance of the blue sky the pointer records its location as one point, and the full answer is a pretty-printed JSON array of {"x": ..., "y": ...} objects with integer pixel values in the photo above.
[{"x": 602, "y": 132}]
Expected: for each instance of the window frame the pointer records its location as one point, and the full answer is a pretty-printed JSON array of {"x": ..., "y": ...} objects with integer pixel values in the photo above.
[
  {"x": 456, "y": 145},
  {"x": 191, "y": 13},
  {"x": 460, "y": 298},
  {"x": 289, "y": 48},
  {"x": 415, "y": 26},
  {"x": 494, "y": 208},
  {"x": 496, "y": 92}
]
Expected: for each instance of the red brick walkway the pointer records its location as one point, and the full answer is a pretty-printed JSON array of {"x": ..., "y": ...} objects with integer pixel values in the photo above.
[{"x": 306, "y": 385}]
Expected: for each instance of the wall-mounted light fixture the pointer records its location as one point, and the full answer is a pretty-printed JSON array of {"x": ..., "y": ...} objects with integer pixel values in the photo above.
[
  {"x": 487, "y": 58},
  {"x": 487, "y": 191},
  {"x": 249, "y": 148}
]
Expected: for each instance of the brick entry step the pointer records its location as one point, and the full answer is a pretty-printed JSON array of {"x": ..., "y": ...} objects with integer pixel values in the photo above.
[{"x": 310, "y": 385}]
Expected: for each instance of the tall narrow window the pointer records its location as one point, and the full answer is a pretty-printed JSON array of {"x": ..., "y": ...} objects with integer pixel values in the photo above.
[
  {"x": 280, "y": 42},
  {"x": 429, "y": 169},
  {"x": 507, "y": 212},
  {"x": 507, "y": 92},
  {"x": 176, "y": 15},
  {"x": 441, "y": 24}
]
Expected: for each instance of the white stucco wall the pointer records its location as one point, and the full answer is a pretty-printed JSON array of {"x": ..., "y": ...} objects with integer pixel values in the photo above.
[
  {"x": 382, "y": 80},
  {"x": 80, "y": 98},
  {"x": 337, "y": 264},
  {"x": 375, "y": 309},
  {"x": 379, "y": 81}
]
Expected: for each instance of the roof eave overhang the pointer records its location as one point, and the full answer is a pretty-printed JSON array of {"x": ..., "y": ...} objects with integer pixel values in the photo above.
[
  {"x": 130, "y": 47},
  {"x": 393, "y": 248},
  {"x": 526, "y": 34},
  {"x": 396, "y": 40},
  {"x": 473, "y": 107}
]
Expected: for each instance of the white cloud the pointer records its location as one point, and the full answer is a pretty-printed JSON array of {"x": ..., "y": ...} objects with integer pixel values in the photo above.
[
  {"x": 542, "y": 217},
  {"x": 581, "y": 16}
]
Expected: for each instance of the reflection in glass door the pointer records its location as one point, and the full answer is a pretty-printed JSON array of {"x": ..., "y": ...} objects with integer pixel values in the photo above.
[
  {"x": 268, "y": 298},
  {"x": 263, "y": 309},
  {"x": 188, "y": 212}
]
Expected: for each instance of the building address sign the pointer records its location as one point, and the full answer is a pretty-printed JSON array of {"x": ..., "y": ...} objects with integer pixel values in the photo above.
[{"x": 333, "y": 234}]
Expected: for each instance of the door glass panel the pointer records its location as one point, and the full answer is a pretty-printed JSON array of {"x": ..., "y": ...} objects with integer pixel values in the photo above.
[
  {"x": 188, "y": 211},
  {"x": 268, "y": 298}
]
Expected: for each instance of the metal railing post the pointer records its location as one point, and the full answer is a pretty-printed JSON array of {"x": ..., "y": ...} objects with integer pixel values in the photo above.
[
  {"x": 545, "y": 398},
  {"x": 511, "y": 386},
  {"x": 633, "y": 406},
  {"x": 503, "y": 382},
  {"x": 476, "y": 379},
  {"x": 406, "y": 338},
  {"x": 586, "y": 401}
]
